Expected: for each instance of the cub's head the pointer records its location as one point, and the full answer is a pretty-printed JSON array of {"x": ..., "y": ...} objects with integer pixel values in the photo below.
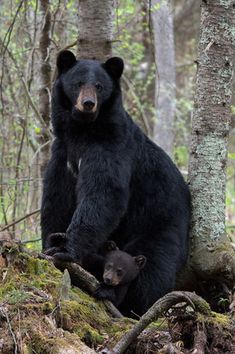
[
  {"x": 120, "y": 267},
  {"x": 86, "y": 84}
]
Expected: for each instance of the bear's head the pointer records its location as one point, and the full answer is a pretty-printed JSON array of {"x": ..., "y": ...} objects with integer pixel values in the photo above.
[
  {"x": 86, "y": 84},
  {"x": 119, "y": 266}
]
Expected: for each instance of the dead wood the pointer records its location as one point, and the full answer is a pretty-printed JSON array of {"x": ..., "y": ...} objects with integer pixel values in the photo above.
[
  {"x": 160, "y": 307},
  {"x": 84, "y": 280}
]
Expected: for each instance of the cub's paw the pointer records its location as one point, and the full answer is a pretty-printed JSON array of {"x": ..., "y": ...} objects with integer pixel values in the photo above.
[{"x": 105, "y": 293}]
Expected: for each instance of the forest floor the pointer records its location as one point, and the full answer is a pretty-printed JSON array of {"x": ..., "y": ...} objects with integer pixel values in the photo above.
[{"x": 41, "y": 313}]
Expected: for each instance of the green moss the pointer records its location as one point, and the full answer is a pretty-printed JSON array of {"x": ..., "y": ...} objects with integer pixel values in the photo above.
[
  {"x": 87, "y": 311},
  {"x": 215, "y": 319},
  {"x": 17, "y": 296},
  {"x": 90, "y": 336},
  {"x": 10, "y": 282},
  {"x": 41, "y": 344},
  {"x": 220, "y": 319},
  {"x": 203, "y": 307},
  {"x": 33, "y": 286},
  {"x": 47, "y": 307}
]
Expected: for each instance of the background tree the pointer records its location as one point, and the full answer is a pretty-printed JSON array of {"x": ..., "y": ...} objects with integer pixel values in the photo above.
[
  {"x": 164, "y": 48},
  {"x": 95, "y": 28},
  {"x": 45, "y": 82}
]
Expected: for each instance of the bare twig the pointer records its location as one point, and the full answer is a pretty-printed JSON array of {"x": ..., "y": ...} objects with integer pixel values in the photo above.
[
  {"x": 31, "y": 241},
  {"x": 26, "y": 89},
  {"x": 144, "y": 118},
  {"x": 19, "y": 220},
  {"x": 33, "y": 106},
  {"x": 17, "y": 173},
  {"x": 5, "y": 314},
  {"x": 160, "y": 306}
]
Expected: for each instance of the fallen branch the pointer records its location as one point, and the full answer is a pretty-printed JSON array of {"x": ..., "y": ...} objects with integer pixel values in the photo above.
[
  {"x": 160, "y": 306},
  {"x": 81, "y": 278}
]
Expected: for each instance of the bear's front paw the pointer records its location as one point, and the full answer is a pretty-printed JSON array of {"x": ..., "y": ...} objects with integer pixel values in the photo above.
[
  {"x": 51, "y": 251},
  {"x": 64, "y": 257},
  {"x": 105, "y": 293}
]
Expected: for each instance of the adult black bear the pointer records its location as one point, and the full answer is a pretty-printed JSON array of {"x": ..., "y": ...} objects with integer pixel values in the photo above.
[{"x": 107, "y": 180}]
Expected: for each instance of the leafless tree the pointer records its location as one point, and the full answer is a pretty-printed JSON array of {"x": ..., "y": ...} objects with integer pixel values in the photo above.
[{"x": 163, "y": 31}]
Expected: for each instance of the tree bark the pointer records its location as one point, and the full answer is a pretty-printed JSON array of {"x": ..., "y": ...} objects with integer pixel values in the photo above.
[
  {"x": 212, "y": 255},
  {"x": 95, "y": 29},
  {"x": 163, "y": 31},
  {"x": 45, "y": 81}
]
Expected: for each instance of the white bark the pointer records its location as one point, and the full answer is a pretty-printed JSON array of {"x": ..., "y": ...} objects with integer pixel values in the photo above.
[
  {"x": 45, "y": 81},
  {"x": 163, "y": 31},
  {"x": 95, "y": 29}
]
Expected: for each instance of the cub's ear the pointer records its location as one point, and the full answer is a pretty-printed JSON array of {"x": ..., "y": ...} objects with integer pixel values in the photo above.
[
  {"x": 140, "y": 261},
  {"x": 114, "y": 67},
  {"x": 109, "y": 246},
  {"x": 65, "y": 61}
]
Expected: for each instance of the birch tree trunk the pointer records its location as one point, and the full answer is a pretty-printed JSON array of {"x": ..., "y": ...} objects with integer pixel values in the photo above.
[
  {"x": 163, "y": 31},
  {"x": 95, "y": 29},
  {"x": 212, "y": 255},
  {"x": 45, "y": 82}
]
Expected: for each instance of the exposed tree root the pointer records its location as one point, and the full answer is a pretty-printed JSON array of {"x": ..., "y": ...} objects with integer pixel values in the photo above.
[
  {"x": 161, "y": 306},
  {"x": 217, "y": 263},
  {"x": 200, "y": 340},
  {"x": 211, "y": 273}
]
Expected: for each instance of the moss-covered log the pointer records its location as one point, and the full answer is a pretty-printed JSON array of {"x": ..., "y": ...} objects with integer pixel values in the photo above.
[{"x": 40, "y": 312}]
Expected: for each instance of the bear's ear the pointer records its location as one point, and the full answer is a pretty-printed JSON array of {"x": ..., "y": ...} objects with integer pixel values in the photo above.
[
  {"x": 109, "y": 246},
  {"x": 114, "y": 67},
  {"x": 140, "y": 261},
  {"x": 65, "y": 61}
]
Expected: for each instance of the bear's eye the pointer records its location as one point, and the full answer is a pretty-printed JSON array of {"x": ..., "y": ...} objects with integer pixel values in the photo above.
[
  {"x": 119, "y": 272},
  {"x": 98, "y": 87},
  {"x": 78, "y": 84}
]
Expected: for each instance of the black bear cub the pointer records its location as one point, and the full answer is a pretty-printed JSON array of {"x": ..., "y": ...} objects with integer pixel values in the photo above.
[
  {"x": 119, "y": 270},
  {"x": 106, "y": 180},
  {"x": 115, "y": 269}
]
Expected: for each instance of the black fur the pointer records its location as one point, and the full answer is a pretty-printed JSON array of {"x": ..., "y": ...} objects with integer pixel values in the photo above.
[
  {"x": 107, "y": 180},
  {"x": 119, "y": 270}
]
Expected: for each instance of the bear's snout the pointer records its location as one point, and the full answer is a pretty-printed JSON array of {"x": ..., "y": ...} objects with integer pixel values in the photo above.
[{"x": 87, "y": 100}]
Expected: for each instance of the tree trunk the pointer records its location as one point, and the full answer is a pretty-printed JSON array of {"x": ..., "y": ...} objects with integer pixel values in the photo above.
[
  {"x": 95, "y": 29},
  {"x": 45, "y": 82},
  {"x": 162, "y": 20},
  {"x": 212, "y": 255}
]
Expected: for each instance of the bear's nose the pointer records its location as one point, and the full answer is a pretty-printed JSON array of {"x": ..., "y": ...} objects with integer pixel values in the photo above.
[
  {"x": 107, "y": 281},
  {"x": 88, "y": 104}
]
